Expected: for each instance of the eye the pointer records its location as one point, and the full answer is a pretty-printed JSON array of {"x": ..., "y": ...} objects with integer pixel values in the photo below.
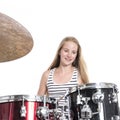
[
  {"x": 65, "y": 50},
  {"x": 74, "y": 52}
]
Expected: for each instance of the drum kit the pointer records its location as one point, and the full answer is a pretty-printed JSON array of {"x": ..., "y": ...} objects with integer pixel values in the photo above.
[{"x": 92, "y": 101}]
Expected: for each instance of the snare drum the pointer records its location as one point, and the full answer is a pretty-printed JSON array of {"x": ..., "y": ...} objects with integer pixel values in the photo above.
[
  {"x": 25, "y": 107},
  {"x": 94, "y": 101}
]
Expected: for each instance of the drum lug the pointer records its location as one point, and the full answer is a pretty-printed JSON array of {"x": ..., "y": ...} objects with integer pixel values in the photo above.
[
  {"x": 79, "y": 99},
  {"x": 23, "y": 109},
  {"x": 113, "y": 98},
  {"x": 98, "y": 97},
  {"x": 115, "y": 117}
]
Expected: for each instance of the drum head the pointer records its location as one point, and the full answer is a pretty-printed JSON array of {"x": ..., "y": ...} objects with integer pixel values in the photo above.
[
  {"x": 11, "y": 98},
  {"x": 93, "y": 86}
]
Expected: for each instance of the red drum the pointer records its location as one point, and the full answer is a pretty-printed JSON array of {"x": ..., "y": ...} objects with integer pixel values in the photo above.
[{"x": 25, "y": 107}]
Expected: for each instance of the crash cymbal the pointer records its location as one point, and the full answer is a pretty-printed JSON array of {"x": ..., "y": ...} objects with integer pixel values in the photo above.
[{"x": 15, "y": 40}]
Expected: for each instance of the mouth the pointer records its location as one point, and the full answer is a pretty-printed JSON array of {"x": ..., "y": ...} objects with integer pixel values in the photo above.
[{"x": 68, "y": 59}]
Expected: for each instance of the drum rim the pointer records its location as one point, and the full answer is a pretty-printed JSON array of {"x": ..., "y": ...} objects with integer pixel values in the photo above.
[
  {"x": 93, "y": 86},
  {"x": 32, "y": 98}
]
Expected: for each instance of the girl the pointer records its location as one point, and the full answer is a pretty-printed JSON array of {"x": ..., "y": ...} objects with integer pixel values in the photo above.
[{"x": 67, "y": 70}]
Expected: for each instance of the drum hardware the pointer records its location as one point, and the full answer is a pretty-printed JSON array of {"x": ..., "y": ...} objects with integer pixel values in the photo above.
[
  {"x": 79, "y": 97},
  {"x": 43, "y": 111},
  {"x": 63, "y": 112},
  {"x": 23, "y": 109},
  {"x": 113, "y": 96},
  {"x": 57, "y": 113},
  {"x": 86, "y": 112},
  {"x": 98, "y": 97},
  {"x": 115, "y": 117},
  {"x": 57, "y": 110},
  {"x": 64, "y": 117},
  {"x": 68, "y": 104}
]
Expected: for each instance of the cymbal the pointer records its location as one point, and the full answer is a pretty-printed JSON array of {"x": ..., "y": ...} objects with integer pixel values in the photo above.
[{"x": 15, "y": 40}]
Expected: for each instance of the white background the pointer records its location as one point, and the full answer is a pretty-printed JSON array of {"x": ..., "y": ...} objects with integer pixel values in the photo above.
[{"x": 95, "y": 23}]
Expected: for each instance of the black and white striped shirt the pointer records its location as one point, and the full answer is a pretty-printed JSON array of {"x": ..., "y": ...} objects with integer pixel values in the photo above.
[{"x": 59, "y": 91}]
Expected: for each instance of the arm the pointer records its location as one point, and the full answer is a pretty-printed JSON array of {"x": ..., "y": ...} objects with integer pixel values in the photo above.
[{"x": 43, "y": 84}]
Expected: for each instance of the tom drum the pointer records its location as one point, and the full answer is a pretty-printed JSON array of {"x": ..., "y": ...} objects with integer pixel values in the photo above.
[
  {"x": 27, "y": 107},
  {"x": 94, "y": 101}
]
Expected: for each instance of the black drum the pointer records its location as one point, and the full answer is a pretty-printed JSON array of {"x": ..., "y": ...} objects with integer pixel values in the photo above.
[
  {"x": 94, "y": 101},
  {"x": 27, "y": 107}
]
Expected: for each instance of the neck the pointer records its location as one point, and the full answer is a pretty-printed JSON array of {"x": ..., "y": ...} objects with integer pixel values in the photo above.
[{"x": 65, "y": 69}]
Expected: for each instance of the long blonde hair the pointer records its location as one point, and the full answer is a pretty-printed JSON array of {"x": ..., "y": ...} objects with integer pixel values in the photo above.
[{"x": 79, "y": 62}]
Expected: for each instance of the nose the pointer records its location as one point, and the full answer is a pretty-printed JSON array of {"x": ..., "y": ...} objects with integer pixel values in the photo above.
[{"x": 69, "y": 54}]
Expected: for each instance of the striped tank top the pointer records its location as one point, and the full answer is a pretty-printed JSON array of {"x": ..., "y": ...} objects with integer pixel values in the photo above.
[{"x": 59, "y": 91}]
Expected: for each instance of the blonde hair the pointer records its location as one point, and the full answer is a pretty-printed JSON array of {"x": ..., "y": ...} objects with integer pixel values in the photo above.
[{"x": 79, "y": 62}]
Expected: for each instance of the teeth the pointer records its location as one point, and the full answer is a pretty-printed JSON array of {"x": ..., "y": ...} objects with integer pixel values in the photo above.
[{"x": 68, "y": 59}]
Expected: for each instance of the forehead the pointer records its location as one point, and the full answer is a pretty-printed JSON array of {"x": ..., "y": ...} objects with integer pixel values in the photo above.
[{"x": 70, "y": 44}]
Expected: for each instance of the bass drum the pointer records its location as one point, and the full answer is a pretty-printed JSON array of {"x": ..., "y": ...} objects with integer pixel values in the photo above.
[
  {"x": 94, "y": 101},
  {"x": 25, "y": 107}
]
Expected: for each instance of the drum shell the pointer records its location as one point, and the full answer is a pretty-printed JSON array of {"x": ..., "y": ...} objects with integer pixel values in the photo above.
[
  {"x": 10, "y": 107},
  {"x": 109, "y": 109}
]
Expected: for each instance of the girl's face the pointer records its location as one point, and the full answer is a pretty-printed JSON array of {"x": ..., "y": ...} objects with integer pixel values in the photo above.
[{"x": 68, "y": 53}]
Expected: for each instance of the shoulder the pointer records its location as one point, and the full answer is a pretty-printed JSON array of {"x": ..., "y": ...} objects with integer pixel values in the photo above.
[
  {"x": 45, "y": 74},
  {"x": 79, "y": 77}
]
